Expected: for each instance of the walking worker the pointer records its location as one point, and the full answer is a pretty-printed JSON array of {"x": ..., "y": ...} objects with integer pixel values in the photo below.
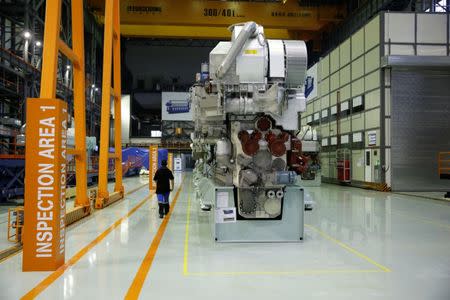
[{"x": 164, "y": 185}]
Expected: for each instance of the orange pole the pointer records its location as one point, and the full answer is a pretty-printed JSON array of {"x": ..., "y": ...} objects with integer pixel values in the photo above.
[
  {"x": 50, "y": 49},
  {"x": 106, "y": 103},
  {"x": 111, "y": 56},
  {"x": 82, "y": 198},
  {"x": 117, "y": 98}
]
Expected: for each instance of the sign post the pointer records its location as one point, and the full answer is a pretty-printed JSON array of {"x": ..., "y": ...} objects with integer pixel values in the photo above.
[
  {"x": 153, "y": 165},
  {"x": 45, "y": 182}
]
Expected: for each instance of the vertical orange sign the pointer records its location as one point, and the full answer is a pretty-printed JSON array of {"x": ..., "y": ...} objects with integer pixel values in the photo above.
[
  {"x": 153, "y": 165},
  {"x": 45, "y": 185},
  {"x": 170, "y": 161}
]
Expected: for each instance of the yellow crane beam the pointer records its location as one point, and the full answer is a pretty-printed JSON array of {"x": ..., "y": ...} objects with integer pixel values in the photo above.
[
  {"x": 203, "y": 32},
  {"x": 209, "y": 19}
]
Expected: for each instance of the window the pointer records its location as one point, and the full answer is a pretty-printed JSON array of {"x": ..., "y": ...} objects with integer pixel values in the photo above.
[
  {"x": 324, "y": 115},
  {"x": 358, "y": 104},
  {"x": 344, "y": 139}
]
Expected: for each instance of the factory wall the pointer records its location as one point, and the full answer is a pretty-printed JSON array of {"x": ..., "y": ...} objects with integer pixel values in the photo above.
[
  {"x": 417, "y": 105},
  {"x": 352, "y": 75},
  {"x": 349, "y": 75}
]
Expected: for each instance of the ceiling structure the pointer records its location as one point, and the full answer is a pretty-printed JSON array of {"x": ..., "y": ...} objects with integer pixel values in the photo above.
[{"x": 203, "y": 19}]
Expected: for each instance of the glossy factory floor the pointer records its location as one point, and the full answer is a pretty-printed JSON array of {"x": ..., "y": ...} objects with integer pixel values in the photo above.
[{"x": 358, "y": 244}]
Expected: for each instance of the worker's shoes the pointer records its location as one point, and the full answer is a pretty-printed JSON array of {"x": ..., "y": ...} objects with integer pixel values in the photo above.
[{"x": 161, "y": 216}]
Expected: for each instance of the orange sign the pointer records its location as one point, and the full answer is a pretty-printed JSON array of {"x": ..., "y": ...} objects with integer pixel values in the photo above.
[
  {"x": 153, "y": 165},
  {"x": 170, "y": 161},
  {"x": 45, "y": 185}
]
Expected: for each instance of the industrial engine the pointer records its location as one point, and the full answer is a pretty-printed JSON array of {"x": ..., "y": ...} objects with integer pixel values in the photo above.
[{"x": 246, "y": 107}]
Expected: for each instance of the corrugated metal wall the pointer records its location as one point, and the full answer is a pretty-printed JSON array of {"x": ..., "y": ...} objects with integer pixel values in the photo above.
[{"x": 420, "y": 128}]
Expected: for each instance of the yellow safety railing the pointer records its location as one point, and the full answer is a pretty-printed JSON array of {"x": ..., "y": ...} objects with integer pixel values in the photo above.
[{"x": 15, "y": 224}]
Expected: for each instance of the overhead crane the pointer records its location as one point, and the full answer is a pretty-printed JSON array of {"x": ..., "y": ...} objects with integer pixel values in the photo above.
[{"x": 200, "y": 19}]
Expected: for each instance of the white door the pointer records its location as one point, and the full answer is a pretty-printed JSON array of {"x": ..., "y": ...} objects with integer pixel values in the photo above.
[{"x": 368, "y": 165}]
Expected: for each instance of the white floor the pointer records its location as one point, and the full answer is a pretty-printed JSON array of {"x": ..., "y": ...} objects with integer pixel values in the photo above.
[
  {"x": 129, "y": 183},
  {"x": 358, "y": 244}
]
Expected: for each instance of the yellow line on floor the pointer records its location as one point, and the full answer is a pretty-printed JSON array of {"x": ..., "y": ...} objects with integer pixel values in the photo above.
[
  {"x": 74, "y": 259},
  {"x": 279, "y": 273},
  {"x": 348, "y": 248},
  {"x": 186, "y": 236},
  {"x": 136, "y": 286}
]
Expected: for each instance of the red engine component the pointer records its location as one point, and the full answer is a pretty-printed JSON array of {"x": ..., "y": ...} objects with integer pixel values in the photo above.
[
  {"x": 249, "y": 142},
  {"x": 256, "y": 135},
  {"x": 284, "y": 136},
  {"x": 250, "y": 147},
  {"x": 263, "y": 124},
  {"x": 270, "y": 137},
  {"x": 298, "y": 162},
  {"x": 243, "y": 136},
  {"x": 277, "y": 147},
  {"x": 277, "y": 144},
  {"x": 296, "y": 145}
]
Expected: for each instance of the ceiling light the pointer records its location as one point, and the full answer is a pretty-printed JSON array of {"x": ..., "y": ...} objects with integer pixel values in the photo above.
[
  {"x": 38, "y": 43},
  {"x": 27, "y": 34}
]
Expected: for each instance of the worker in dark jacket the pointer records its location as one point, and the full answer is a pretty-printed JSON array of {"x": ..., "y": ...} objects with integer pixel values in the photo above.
[{"x": 164, "y": 185}]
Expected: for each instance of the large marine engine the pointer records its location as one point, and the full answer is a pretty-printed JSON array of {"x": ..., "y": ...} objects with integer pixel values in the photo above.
[{"x": 246, "y": 113}]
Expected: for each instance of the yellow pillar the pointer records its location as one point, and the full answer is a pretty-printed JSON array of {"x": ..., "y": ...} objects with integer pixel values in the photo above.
[
  {"x": 153, "y": 165},
  {"x": 170, "y": 161},
  {"x": 111, "y": 56}
]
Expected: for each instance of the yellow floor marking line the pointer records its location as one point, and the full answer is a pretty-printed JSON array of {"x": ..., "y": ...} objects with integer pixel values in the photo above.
[
  {"x": 280, "y": 273},
  {"x": 45, "y": 283},
  {"x": 186, "y": 236},
  {"x": 380, "y": 268},
  {"x": 422, "y": 219},
  {"x": 136, "y": 286},
  {"x": 348, "y": 248}
]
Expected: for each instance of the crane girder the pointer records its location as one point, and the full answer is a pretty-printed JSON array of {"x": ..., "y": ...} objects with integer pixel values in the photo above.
[{"x": 209, "y": 19}]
